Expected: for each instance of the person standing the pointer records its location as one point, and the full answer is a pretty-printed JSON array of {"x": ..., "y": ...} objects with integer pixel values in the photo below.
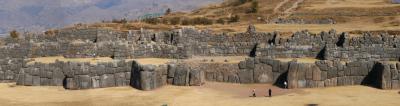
[
  {"x": 254, "y": 92},
  {"x": 270, "y": 92},
  {"x": 286, "y": 85}
]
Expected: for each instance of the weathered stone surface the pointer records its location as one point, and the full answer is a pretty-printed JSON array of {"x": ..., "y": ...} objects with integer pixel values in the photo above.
[
  {"x": 309, "y": 72},
  {"x": 292, "y": 75},
  {"x": 107, "y": 80},
  {"x": 171, "y": 70},
  {"x": 317, "y": 74},
  {"x": 263, "y": 73},
  {"x": 246, "y": 76},
  {"x": 386, "y": 77},
  {"x": 181, "y": 76},
  {"x": 196, "y": 78}
]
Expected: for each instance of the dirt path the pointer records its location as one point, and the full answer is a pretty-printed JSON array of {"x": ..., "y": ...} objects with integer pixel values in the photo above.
[
  {"x": 276, "y": 9},
  {"x": 290, "y": 10}
]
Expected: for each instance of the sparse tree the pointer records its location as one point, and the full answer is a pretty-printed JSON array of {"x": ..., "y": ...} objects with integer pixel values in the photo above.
[
  {"x": 254, "y": 7},
  {"x": 168, "y": 11},
  {"x": 220, "y": 21},
  {"x": 14, "y": 34},
  {"x": 175, "y": 20},
  {"x": 234, "y": 19}
]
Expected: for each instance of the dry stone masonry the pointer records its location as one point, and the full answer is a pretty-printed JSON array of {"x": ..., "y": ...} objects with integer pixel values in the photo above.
[{"x": 342, "y": 59}]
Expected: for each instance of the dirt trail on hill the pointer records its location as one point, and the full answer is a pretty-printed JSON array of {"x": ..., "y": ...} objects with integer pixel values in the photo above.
[
  {"x": 276, "y": 9},
  {"x": 290, "y": 10},
  {"x": 287, "y": 12}
]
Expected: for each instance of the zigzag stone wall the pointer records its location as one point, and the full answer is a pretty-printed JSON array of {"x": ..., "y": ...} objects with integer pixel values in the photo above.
[{"x": 77, "y": 75}]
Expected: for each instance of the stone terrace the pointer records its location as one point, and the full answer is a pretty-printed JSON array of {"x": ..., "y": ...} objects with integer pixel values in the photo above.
[{"x": 144, "y": 59}]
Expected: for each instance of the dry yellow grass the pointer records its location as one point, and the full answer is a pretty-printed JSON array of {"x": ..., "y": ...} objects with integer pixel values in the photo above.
[
  {"x": 193, "y": 96},
  {"x": 216, "y": 59},
  {"x": 61, "y": 58},
  {"x": 321, "y": 4},
  {"x": 300, "y": 60},
  {"x": 153, "y": 61}
]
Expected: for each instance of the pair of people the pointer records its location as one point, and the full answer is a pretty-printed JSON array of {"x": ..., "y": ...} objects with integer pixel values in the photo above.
[{"x": 269, "y": 92}]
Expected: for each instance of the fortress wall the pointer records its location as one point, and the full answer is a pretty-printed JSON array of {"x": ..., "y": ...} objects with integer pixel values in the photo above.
[
  {"x": 74, "y": 75},
  {"x": 9, "y": 69},
  {"x": 252, "y": 70},
  {"x": 382, "y": 75},
  {"x": 82, "y": 75},
  {"x": 187, "y": 42}
]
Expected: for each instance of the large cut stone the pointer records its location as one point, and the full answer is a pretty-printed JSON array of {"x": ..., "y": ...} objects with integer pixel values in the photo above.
[
  {"x": 263, "y": 73},
  {"x": 246, "y": 76},
  {"x": 196, "y": 78},
  {"x": 181, "y": 76},
  {"x": 292, "y": 75}
]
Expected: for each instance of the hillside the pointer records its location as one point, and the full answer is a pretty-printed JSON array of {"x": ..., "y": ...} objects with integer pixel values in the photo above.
[
  {"x": 39, "y": 15},
  {"x": 353, "y": 16}
]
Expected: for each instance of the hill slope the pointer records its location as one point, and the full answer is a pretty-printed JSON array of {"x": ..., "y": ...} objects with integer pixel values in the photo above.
[{"x": 37, "y": 15}]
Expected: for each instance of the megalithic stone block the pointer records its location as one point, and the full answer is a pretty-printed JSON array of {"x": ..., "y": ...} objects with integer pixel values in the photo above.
[
  {"x": 70, "y": 84},
  {"x": 395, "y": 84},
  {"x": 146, "y": 80},
  {"x": 28, "y": 80},
  {"x": 317, "y": 74},
  {"x": 196, "y": 78},
  {"x": 386, "y": 77},
  {"x": 292, "y": 75},
  {"x": 246, "y": 76},
  {"x": 309, "y": 72},
  {"x": 263, "y": 73},
  {"x": 180, "y": 77}
]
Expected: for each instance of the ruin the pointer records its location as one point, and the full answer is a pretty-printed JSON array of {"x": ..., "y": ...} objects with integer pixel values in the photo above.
[{"x": 304, "y": 60}]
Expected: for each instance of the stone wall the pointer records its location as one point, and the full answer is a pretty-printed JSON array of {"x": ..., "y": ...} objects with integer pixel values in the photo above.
[
  {"x": 187, "y": 42},
  {"x": 252, "y": 70},
  {"x": 78, "y": 75},
  {"x": 9, "y": 69},
  {"x": 74, "y": 75},
  {"x": 338, "y": 73}
]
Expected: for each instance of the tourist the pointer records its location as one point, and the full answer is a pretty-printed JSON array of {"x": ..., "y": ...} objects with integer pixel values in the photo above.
[
  {"x": 254, "y": 92},
  {"x": 270, "y": 93},
  {"x": 286, "y": 86}
]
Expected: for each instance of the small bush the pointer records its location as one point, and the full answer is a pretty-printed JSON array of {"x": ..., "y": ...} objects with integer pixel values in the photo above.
[
  {"x": 234, "y": 19},
  {"x": 220, "y": 21},
  {"x": 151, "y": 20},
  {"x": 121, "y": 21},
  {"x": 168, "y": 11},
  {"x": 51, "y": 32},
  {"x": 175, "y": 20},
  {"x": 254, "y": 7},
  {"x": 14, "y": 34},
  {"x": 186, "y": 21},
  {"x": 202, "y": 21}
]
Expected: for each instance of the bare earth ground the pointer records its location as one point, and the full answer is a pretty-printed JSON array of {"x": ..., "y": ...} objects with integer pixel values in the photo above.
[{"x": 212, "y": 94}]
